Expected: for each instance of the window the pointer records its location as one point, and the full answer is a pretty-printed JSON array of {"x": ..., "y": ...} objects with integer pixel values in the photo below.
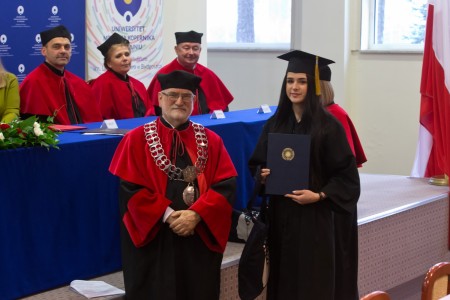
[
  {"x": 393, "y": 25},
  {"x": 249, "y": 24}
]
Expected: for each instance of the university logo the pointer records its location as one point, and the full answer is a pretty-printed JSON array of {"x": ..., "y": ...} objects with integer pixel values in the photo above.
[
  {"x": 55, "y": 10},
  {"x": 128, "y": 8},
  {"x": 3, "y": 38},
  {"x": 20, "y": 10},
  {"x": 21, "y": 68},
  {"x": 37, "y": 38}
]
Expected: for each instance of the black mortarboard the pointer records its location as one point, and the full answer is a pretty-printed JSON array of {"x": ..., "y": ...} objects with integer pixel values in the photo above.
[
  {"x": 325, "y": 73},
  {"x": 58, "y": 31},
  {"x": 188, "y": 37},
  {"x": 114, "y": 39},
  {"x": 304, "y": 62},
  {"x": 179, "y": 80}
]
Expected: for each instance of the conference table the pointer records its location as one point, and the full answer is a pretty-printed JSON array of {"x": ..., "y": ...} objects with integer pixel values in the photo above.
[{"x": 59, "y": 219}]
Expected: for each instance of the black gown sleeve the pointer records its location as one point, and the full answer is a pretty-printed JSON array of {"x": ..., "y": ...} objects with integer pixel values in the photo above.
[{"x": 342, "y": 184}]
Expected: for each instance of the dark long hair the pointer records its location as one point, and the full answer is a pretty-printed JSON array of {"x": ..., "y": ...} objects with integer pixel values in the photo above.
[{"x": 314, "y": 120}]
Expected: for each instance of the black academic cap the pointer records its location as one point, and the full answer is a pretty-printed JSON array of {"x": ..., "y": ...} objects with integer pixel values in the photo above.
[
  {"x": 325, "y": 73},
  {"x": 58, "y": 31},
  {"x": 188, "y": 37},
  {"x": 114, "y": 39},
  {"x": 304, "y": 62},
  {"x": 179, "y": 80}
]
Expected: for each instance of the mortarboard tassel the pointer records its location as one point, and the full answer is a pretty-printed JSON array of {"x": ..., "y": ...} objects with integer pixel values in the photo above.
[{"x": 316, "y": 76}]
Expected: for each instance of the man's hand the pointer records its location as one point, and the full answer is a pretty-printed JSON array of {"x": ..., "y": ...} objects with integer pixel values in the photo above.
[{"x": 183, "y": 222}]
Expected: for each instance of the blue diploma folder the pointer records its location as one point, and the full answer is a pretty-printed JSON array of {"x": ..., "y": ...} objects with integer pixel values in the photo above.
[{"x": 288, "y": 160}]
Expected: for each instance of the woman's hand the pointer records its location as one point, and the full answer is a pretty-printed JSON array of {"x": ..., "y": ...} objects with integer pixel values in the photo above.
[
  {"x": 264, "y": 174},
  {"x": 304, "y": 196}
]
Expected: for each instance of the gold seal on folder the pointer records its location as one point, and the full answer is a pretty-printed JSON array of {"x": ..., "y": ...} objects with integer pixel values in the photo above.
[{"x": 288, "y": 154}]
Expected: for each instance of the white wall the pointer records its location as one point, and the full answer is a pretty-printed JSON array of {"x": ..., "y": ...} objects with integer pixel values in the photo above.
[
  {"x": 379, "y": 91},
  {"x": 179, "y": 15},
  {"x": 254, "y": 78}
]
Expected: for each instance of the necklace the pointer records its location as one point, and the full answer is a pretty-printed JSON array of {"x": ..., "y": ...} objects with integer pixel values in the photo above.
[{"x": 188, "y": 174}]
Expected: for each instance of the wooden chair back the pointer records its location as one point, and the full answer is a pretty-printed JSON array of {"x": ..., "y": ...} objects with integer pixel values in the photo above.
[
  {"x": 377, "y": 295},
  {"x": 436, "y": 282}
]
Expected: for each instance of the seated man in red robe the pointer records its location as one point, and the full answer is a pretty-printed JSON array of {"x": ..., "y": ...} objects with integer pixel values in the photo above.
[
  {"x": 212, "y": 93},
  {"x": 176, "y": 194},
  {"x": 52, "y": 90}
]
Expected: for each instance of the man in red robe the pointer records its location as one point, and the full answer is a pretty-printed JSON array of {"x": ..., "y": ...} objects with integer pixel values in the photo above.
[
  {"x": 176, "y": 194},
  {"x": 52, "y": 90},
  {"x": 212, "y": 93}
]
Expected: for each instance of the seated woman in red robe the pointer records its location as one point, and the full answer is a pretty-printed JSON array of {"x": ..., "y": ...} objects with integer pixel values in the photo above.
[{"x": 119, "y": 95}]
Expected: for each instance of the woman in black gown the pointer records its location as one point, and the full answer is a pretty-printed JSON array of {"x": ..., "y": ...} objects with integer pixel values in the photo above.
[{"x": 302, "y": 234}]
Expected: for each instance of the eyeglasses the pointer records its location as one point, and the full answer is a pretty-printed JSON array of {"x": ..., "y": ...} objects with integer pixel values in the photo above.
[{"x": 186, "y": 97}]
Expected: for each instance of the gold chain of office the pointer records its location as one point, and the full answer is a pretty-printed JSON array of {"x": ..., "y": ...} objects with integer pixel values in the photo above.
[{"x": 175, "y": 173}]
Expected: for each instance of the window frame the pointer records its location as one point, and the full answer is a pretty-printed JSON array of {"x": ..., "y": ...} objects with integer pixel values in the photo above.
[
  {"x": 367, "y": 34},
  {"x": 251, "y": 47}
]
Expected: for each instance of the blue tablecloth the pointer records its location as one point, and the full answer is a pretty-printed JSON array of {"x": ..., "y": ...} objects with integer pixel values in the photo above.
[{"x": 59, "y": 219}]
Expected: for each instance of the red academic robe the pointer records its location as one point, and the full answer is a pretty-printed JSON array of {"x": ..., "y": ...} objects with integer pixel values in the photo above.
[
  {"x": 350, "y": 132},
  {"x": 216, "y": 94},
  {"x": 133, "y": 163},
  {"x": 157, "y": 263},
  {"x": 114, "y": 96},
  {"x": 42, "y": 92}
]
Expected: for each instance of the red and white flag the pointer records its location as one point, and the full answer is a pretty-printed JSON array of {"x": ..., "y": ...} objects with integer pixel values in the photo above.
[{"x": 433, "y": 150}]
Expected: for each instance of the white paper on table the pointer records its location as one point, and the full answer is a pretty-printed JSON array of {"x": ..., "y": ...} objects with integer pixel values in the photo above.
[{"x": 92, "y": 288}]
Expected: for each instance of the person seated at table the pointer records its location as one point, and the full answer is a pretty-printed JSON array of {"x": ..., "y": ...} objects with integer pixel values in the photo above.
[
  {"x": 177, "y": 188},
  {"x": 51, "y": 90},
  {"x": 9, "y": 96},
  {"x": 327, "y": 100},
  {"x": 120, "y": 96},
  {"x": 212, "y": 93}
]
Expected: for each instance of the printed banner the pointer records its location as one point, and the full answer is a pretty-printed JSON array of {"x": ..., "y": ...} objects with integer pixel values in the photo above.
[
  {"x": 20, "y": 25},
  {"x": 139, "y": 21}
]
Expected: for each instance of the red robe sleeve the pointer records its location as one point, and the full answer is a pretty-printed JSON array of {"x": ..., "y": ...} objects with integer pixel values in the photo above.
[
  {"x": 84, "y": 98},
  {"x": 214, "y": 209},
  {"x": 143, "y": 217},
  {"x": 216, "y": 93},
  {"x": 132, "y": 162},
  {"x": 350, "y": 132}
]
